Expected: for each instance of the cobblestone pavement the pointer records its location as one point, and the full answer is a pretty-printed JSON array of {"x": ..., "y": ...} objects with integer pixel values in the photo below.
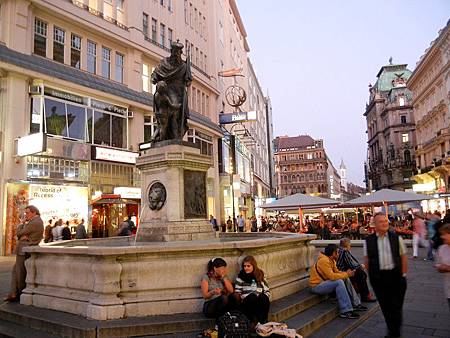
[{"x": 426, "y": 312}]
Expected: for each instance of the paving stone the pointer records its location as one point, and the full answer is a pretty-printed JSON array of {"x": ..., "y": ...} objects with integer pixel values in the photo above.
[
  {"x": 428, "y": 332},
  {"x": 442, "y": 333}
]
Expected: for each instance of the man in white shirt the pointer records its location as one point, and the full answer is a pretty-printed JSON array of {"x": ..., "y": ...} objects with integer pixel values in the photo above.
[{"x": 385, "y": 255}]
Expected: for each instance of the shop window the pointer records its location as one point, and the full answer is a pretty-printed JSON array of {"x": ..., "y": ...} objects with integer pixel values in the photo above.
[
  {"x": 75, "y": 51},
  {"x": 102, "y": 128},
  {"x": 55, "y": 118},
  {"x": 90, "y": 122},
  {"x": 76, "y": 119},
  {"x": 119, "y": 67},
  {"x": 40, "y": 37},
  {"x": 106, "y": 62},
  {"x": 59, "y": 37},
  {"x": 91, "y": 57}
]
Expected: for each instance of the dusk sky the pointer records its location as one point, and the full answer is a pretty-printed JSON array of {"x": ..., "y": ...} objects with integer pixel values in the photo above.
[{"x": 316, "y": 59}]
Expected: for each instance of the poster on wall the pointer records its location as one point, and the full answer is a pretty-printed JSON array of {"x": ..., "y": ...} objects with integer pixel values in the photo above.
[
  {"x": 67, "y": 202},
  {"x": 16, "y": 201}
]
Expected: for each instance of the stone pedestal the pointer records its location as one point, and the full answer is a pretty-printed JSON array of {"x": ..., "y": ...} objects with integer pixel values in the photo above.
[{"x": 173, "y": 193}]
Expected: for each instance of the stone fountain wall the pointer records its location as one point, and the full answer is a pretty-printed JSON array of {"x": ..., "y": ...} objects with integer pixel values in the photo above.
[{"x": 101, "y": 281}]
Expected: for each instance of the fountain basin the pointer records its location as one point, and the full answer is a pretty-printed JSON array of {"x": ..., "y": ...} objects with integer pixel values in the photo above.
[{"x": 111, "y": 278}]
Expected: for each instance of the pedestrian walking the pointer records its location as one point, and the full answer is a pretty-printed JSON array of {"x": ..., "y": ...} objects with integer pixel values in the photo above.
[
  {"x": 443, "y": 258},
  {"x": 80, "y": 232},
  {"x": 385, "y": 255},
  {"x": 241, "y": 223},
  {"x": 29, "y": 233},
  {"x": 419, "y": 233}
]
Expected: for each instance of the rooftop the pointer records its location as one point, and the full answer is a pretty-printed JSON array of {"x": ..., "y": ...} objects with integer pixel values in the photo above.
[{"x": 301, "y": 141}]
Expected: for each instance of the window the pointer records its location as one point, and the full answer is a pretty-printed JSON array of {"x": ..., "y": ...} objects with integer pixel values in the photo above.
[
  {"x": 75, "y": 51},
  {"x": 401, "y": 101},
  {"x": 169, "y": 5},
  {"x": 145, "y": 24},
  {"x": 119, "y": 4},
  {"x": 169, "y": 36},
  {"x": 119, "y": 67},
  {"x": 186, "y": 12},
  {"x": 195, "y": 19},
  {"x": 154, "y": 23},
  {"x": 55, "y": 118},
  {"x": 40, "y": 37},
  {"x": 203, "y": 140},
  {"x": 91, "y": 57},
  {"x": 405, "y": 138},
  {"x": 150, "y": 126},
  {"x": 403, "y": 119},
  {"x": 59, "y": 37},
  {"x": 145, "y": 78},
  {"x": 161, "y": 2},
  {"x": 106, "y": 62},
  {"x": 162, "y": 32},
  {"x": 190, "y": 14}
]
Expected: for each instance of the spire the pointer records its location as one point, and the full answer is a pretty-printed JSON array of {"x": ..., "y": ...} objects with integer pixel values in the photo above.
[
  {"x": 342, "y": 166},
  {"x": 390, "y": 60}
]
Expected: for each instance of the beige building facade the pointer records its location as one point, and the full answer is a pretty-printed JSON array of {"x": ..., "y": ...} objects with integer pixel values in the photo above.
[
  {"x": 430, "y": 84},
  {"x": 78, "y": 73}
]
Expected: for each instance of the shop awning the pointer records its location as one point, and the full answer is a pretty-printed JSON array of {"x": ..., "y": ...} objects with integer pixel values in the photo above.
[
  {"x": 297, "y": 201},
  {"x": 385, "y": 196}
]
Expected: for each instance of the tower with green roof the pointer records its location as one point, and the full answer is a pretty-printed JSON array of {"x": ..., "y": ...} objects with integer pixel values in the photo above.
[{"x": 390, "y": 130}]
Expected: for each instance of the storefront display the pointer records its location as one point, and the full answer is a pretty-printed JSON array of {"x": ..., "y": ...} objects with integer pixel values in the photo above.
[{"x": 66, "y": 202}]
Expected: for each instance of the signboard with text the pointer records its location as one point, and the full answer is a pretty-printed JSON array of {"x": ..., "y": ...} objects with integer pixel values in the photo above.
[
  {"x": 237, "y": 117},
  {"x": 114, "y": 155}
]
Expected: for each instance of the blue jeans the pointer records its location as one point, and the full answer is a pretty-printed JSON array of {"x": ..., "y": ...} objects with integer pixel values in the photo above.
[{"x": 328, "y": 286}]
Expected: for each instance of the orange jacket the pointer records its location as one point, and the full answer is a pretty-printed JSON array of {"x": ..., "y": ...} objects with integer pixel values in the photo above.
[{"x": 327, "y": 268}]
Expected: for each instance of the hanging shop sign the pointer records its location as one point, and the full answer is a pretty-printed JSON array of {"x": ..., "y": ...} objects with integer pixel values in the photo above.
[
  {"x": 31, "y": 144},
  {"x": 114, "y": 155},
  {"x": 237, "y": 117},
  {"x": 128, "y": 192}
]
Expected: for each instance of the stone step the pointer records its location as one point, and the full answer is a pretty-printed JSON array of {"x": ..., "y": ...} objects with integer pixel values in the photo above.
[
  {"x": 11, "y": 330},
  {"x": 340, "y": 328},
  {"x": 68, "y": 325},
  {"x": 289, "y": 306},
  {"x": 310, "y": 320}
]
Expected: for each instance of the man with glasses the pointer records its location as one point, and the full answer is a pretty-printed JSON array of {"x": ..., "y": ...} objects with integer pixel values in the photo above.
[{"x": 29, "y": 232}]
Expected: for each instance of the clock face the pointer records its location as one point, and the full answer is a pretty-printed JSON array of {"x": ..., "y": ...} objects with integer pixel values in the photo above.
[{"x": 156, "y": 196}]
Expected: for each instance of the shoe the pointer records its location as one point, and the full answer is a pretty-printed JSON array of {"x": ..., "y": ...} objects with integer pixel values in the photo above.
[
  {"x": 360, "y": 307},
  {"x": 368, "y": 300},
  {"x": 349, "y": 315}
]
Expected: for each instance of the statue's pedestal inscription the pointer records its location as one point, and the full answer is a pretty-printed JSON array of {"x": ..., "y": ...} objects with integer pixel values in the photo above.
[{"x": 174, "y": 193}]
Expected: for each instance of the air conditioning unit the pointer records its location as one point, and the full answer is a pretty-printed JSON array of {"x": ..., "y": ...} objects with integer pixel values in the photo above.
[
  {"x": 35, "y": 90},
  {"x": 130, "y": 114}
]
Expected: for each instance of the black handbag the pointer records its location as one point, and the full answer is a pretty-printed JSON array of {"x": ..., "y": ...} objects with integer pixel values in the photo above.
[{"x": 233, "y": 324}]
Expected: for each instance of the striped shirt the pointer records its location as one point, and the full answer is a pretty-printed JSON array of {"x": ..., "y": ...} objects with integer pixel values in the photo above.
[
  {"x": 245, "y": 288},
  {"x": 384, "y": 251},
  {"x": 346, "y": 260}
]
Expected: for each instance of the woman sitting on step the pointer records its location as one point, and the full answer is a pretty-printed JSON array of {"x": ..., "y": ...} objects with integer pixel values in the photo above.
[
  {"x": 254, "y": 291},
  {"x": 217, "y": 289}
]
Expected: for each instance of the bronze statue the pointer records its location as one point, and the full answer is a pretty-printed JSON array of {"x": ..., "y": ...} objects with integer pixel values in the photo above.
[{"x": 170, "y": 103}]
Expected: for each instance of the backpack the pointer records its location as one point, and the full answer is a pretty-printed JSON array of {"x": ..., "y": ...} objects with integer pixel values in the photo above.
[{"x": 233, "y": 324}]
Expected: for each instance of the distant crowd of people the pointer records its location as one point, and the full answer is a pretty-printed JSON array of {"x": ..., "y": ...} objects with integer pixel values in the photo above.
[{"x": 58, "y": 230}]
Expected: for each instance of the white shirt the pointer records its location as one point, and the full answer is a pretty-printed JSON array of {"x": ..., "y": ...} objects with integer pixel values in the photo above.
[
  {"x": 443, "y": 257},
  {"x": 384, "y": 251}
]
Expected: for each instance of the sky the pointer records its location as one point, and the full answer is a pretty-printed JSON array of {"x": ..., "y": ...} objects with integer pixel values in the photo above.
[{"x": 316, "y": 59}]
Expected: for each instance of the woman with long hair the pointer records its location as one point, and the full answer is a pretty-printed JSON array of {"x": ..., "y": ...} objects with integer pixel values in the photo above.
[
  {"x": 254, "y": 291},
  {"x": 217, "y": 289}
]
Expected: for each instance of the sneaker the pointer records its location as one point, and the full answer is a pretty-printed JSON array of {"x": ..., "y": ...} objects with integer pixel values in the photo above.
[
  {"x": 349, "y": 315},
  {"x": 360, "y": 307}
]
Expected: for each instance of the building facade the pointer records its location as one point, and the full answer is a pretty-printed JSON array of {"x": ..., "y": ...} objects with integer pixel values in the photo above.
[
  {"x": 430, "y": 84},
  {"x": 301, "y": 166},
  {"x": 75, "y": 75},
  {"x": 390, "y": 130}
]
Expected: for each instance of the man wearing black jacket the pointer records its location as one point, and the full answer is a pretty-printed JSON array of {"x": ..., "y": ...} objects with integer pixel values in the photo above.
[{"x": 385, "y": 255}]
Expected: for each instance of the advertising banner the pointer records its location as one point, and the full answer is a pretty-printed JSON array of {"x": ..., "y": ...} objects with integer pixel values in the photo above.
[
  {"x": 16, "y": 201},
  {"x": 60, "y": 201}
]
